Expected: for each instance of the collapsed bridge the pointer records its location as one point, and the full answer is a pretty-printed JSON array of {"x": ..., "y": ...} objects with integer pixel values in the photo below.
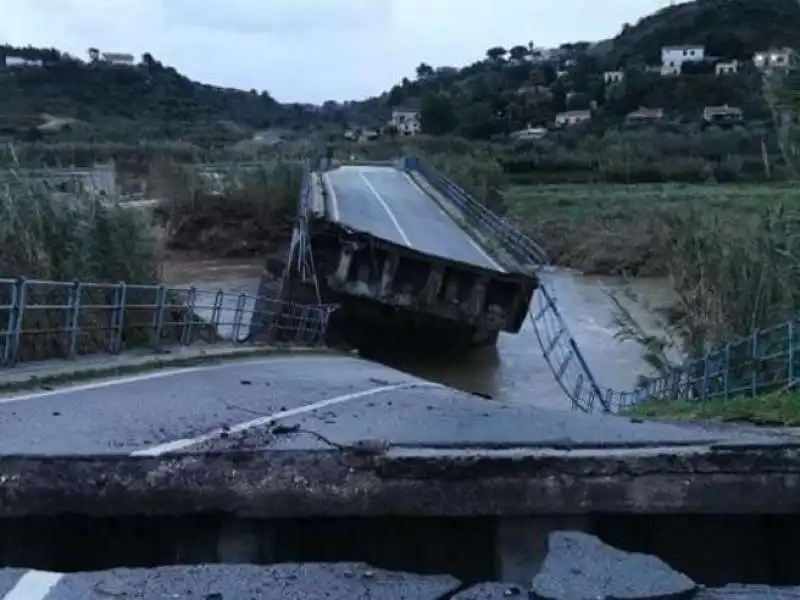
[{"x": 401, "y": 259}]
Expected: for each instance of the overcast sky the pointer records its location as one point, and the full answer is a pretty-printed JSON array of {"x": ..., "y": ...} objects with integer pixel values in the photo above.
[{"x": 310, "y": 50}]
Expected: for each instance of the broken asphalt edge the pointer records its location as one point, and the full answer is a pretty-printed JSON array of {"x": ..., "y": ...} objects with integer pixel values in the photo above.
[{"x": 320, "y": 483}]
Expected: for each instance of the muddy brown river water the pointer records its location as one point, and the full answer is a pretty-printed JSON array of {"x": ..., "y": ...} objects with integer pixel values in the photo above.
[{"x": 515, "y": 369}]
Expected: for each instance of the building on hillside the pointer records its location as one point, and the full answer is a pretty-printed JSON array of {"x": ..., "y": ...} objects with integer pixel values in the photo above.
[
  {"x": 674, "y": 57},
  {"x": 572, "y": 117},
  {"x": 529, "y": 133},
  {"x": 643, "y": 114},
  {"x": 722, "y": 114},
  {"x": 118, "y": 58},
  {"x": 17, "y": 62},
  {"x": 772, "y": 59},
  {"x": 726, "y": 67},
  {"x": 407, "y": 121},
  {"x": 610, "y": 77}
]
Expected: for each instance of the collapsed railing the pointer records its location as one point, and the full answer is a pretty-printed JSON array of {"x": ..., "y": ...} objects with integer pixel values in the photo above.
[{"x": 559, "y": 348}]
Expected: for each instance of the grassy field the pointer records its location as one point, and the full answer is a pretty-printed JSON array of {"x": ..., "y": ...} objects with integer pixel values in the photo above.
[
  {"x": 777, "y": 409},
  {"x": 613, "y": 229}
]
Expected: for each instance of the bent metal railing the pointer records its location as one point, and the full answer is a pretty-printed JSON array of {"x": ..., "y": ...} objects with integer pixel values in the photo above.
[
  {"x": 559, "y": 348},
  {"x": 57, "y": 319},
  {"x": 767, "y": 360}
]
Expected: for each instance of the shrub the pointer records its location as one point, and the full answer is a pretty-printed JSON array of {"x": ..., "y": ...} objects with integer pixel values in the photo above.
[{"x": 236, "y": 209}]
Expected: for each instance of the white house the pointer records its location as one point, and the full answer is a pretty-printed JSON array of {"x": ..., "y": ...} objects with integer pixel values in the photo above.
[
  {"x": 572, "y": 117},
  {"x": 406, "y": 121},
  {"x": 727, "y": 67},
  {"x": 17, "y": 62},
  {"x": 613, "y": 77},
  {"x": 118, "y": 58},
  {"x": 674, "y": 57},
  {"x": 772, "y": 59}
]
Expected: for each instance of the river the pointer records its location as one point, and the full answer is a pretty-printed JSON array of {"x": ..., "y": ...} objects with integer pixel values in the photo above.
[{"x": 515, "y": 369}]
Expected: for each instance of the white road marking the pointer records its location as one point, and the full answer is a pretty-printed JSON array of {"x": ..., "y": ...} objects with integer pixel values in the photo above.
[
  {"x": 332, "y": 194},
  {"x": 387, "y": 209},
  {"x": 474, "y": 244},
  {"x": 34, "y": 585},
  {"x": 156, "y": 375},
  {"x": 267, "y": 419}
]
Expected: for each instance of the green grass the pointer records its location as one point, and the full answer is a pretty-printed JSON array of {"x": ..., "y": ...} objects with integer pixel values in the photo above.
[
  {"x": 611, "y": 229},
  {"x": 608, "y": 199},
  {"x": 776, "y": 409}
]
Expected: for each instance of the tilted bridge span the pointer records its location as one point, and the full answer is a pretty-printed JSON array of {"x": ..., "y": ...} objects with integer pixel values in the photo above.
[{"x": 409, "y": 256}]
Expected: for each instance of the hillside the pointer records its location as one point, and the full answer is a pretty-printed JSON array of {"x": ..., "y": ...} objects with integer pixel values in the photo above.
[
  {"x": 148, "y": 99},
  {"x": 511, "y": 88}
]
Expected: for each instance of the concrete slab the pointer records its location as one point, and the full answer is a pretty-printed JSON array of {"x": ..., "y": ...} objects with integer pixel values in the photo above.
[
  {"x": 339, "y": 436},
  {"x": 343, "y": 581},
  {"x": 579, "y": 565}
]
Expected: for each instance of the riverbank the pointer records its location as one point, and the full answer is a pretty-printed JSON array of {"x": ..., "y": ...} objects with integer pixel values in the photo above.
[
  {"x": 607, "y": 229},
  {"x": 780, "y": 409}
]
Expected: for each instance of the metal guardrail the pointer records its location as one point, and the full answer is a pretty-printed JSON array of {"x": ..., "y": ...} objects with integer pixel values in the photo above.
[
  {"x": 766, "y": 361},
  {"x": 558, "y": 346},
  {"x": 52, "y": 319}
]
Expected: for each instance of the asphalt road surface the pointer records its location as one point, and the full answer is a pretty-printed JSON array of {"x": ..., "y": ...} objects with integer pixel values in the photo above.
[
  {"x": 343, "y": 581},
  {"x": 342, "y": 399},
  {"x": 386, "y": 203}
]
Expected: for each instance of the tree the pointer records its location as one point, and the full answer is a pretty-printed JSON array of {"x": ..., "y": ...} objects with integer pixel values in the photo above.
[
  {"x": 438, "y": 114},
  {"x": 496, "y": 54},
  {"x": 424, "y": 70},
  {"x": 518, "y": 52}
]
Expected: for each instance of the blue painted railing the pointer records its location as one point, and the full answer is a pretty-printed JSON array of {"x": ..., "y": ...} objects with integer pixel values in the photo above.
[{"x": 68, "y": 319}]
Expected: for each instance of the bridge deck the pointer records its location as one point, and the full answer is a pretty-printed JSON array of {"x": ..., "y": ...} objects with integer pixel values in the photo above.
[{"x": 385, "y": 202}]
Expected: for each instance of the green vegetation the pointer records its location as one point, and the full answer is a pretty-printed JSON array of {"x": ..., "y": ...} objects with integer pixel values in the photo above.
[
  {"x": 62, "y": 237},
  {"x": 98, "y": 96},
  {"x": 775, "y": 409},
  {"x": 239, "y": 211},
  {"x": 612, "y": 229}
]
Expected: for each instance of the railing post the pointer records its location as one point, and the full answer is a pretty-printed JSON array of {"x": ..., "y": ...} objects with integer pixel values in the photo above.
[
  {"x": 15, "y": 314},
  {"x": 238, "y": 313},
  {"x": 790, "y": 366},
  {"x": 754, "y": 364},
  {"x": 73, "y": 316},
  {"x": 22, "y": 298},
  {"x": 188, "y": 330},
  {"x": 216, "y": 310},
  {"x": 158, "y": 317},
  {"x": 118, "y": 317}
]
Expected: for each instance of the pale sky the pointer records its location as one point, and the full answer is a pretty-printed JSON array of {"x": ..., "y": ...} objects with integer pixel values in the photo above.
[{"x": 310, "y": 50}]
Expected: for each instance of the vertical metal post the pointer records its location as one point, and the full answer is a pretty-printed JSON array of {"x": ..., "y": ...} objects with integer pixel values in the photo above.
[
  {"x": 753, "y": 364},
  {"x": 237, "y": 317},
  {"x": 118, "y": 317},
  {"x": 73, "y": 317},
  {"x": 188, "y": 330},
  {"x": 158, "y": 317},
  {"x": 18, "y": 318}
]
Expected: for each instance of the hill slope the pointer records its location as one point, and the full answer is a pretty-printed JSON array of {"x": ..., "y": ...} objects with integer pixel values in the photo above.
[
  {"x": 511, "y": 88},
  {"x": 148, "y": 95}
]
